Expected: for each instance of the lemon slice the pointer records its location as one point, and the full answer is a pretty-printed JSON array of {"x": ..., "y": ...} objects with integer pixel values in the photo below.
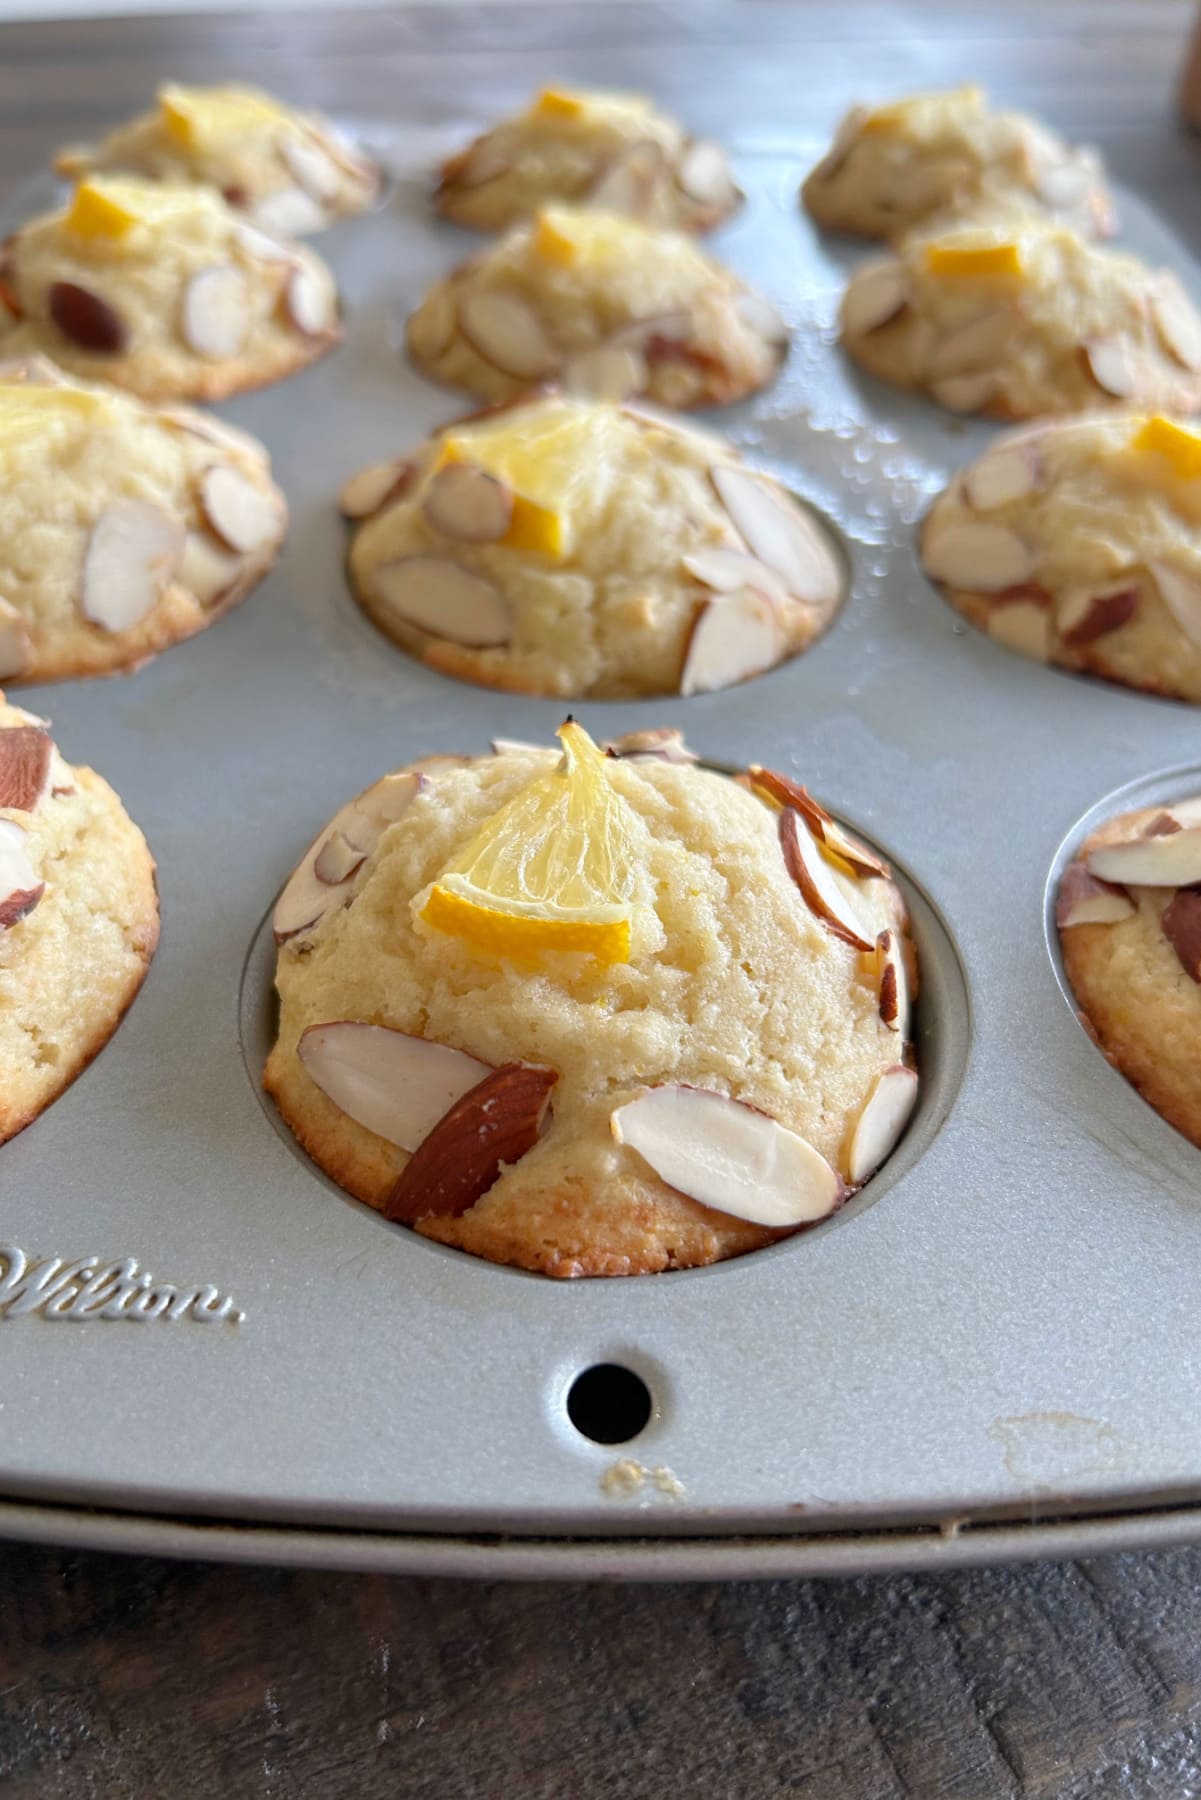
[{"x": 554, "y": 870}]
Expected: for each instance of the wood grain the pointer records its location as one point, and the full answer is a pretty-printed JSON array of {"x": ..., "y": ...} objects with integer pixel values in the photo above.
[{"x": 122, "y": 1679}]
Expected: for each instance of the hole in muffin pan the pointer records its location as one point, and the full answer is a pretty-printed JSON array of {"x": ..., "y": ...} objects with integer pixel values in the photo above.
[
  {"x": 609, "y": 1404},
  {"x": 942, "y": 1037}
]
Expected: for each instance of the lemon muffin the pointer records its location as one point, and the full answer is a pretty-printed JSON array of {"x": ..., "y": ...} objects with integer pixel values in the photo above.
[
  {"x": 1015, "y": 317},
  {"x": 291, "y": 171},
  {"x": 164, "y": 290},
  {"x": 1078, "y": 542},
  {"x": 1129, "y": 918},
  {"x": 894, "y": 167},
  {"x": 605, "y": 305},
  {"x": 565, "y": 546},
  {"x": 78, "y": 917},
  {"x": 122, "y": 528},
  {"x": 593, "y": 1014},
  {"x": 612, "y": 151}
]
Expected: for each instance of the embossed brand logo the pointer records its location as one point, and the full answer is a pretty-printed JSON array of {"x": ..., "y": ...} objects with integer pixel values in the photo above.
[{"x": 90, "y": 1289}]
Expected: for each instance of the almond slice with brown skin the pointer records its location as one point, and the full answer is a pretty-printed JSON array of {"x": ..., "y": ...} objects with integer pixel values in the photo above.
[
  {"x": 26, "y": 754},
  {"x": 290, "y": 212},
  {"x": 608, "y": 372},
  {"x": 337, "y": 860},
  {"x": 1173, "y": 860},
  {"x": 1181, "y": 594},
  {"x": 879, "y": 1127},
  {"x": 728, "y": 1156},
  {"x": 703, "y": 173},
  {"x": 1114, "y": 366},
  {"x": 215, "y": 316},
  {"x": 1081, "y": 617},
  {"x": 132, "y": 557},
  {"x": 243, "y": 515},
  {"x": 16, "y": 644},
  {"x": 893, "y": 992},
  {"x": 628, "y": 186},
  {"x": 875, "y": 296},
  {"x": 367, "y": 491},
  {"x": 1181, "y": 921},
  {"x": 85, "y": 319},
  {"x": 393, "y": 1084},
  {"x": 1177, "y": 324},
  {"x": 306, "y": 897},
  {"x": 466, "y": 503},
  {"x": 1006, "y": 474},
  {"x": 1023, "y": 626},
  {"x": 493, "y": 1124},
  {"x": 662, "y": 743},
  {"x": 819, "y": 887},
  {"x": 312, "y": 169},
  {"x": 312, "y": 301},
  {"x": 786, "y": 792},
  {"x": 206, "y": 571},
  {"x": 506, "y": 331},
  {"x": 446, "y": 600},
  {"x": 780, "y": 532},
  {"x": 20, "y": 888},
  {"x": 1083, "y": 900},
  {"x": 982, "y": 559},
  {"x": 735, "y": 635},
  {"x": 980, "y": 344}
]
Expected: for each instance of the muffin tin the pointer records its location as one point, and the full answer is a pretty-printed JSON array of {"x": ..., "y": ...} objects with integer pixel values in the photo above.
[{"x": 1001, "y": 1326}]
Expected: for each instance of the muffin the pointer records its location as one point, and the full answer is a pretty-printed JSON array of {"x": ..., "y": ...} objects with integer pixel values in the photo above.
[
  {"x": 123, "y": 528},
  {"x": 604, "y": 305},
  {"x": 565, "y": 546},
  {"x": 1078, "y": 542},
  {"x": 165, "y": 290},
  {"x": 611, "y": 151},
  {"x": 78, "y": 917},
  {"x": 1014, "y": 317},
  {"x": 1129, "y": 918},
  {"x": 593, "y": 1014},
  {"x": 291, "y": 171},
  {"x": 896, "y": 167}
]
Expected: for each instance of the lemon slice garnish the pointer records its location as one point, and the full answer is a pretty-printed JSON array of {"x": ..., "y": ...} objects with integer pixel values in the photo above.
[{"x": 555, "y": 869}]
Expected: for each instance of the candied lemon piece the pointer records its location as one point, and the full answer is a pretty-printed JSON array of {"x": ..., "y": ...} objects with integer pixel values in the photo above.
[
  {"x": 967, "y": 262},
  {"x": 108, "y": 207},
  {"x": 196, "y": 117},
  {"x": 567, "y": 237},
  {"x": 552, "y": 462},
  {"x": 554, "y": 870},
  {"x": 1175, "y": 443},
  {"x": 558, "y": 103}
]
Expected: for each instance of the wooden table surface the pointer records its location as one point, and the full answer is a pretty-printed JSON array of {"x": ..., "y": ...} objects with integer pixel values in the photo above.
[{"x": 132, "y": 1677}]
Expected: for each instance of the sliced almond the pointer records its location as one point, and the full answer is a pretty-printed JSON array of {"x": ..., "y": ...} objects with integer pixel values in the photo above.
[
  {"x": 1064, "y": 185},
  {"x": 215, "y": 319},
  {"x": 658, "y": 333},
  {"x": 446, "y": 600},
  {"x": 728, "y": 1156},
  {"x": 1164, "y": 824},
  {"x": 85, "y": 319},
  {"x": 845, "y": 138},
  {"x": 893, "y": 990},
  {"x": 506, "y": 331},
  {"x": 760, "y": 316},
  {"x": 244, "y": 516},
  {"x": 1083, "y": 900},
  {"x": 1162, "y": 861},
  {"x": 492, "y": 1125},
  {"x": 337, "y": 860},
  {"x": 979, "y": 345},
  {"x": 396, "y": 1085},
  {"x": 878, "y": 1128},
  {"x": 26, "y": 754},
  {"x": 826, "y": 829},
  {"x": 1177, "y": 323},
  {"x": 217, "y": 431},
  {"x": 1181, "y": 594},
  {"x": 290, "y": 212},
  {"x": 628, "y": 186},
  {"x": 133, "y": 554},
  {"x": 366, "y": 492},
  {"x": 818, "y": 884},
  {"x": 206, "y": 571},
  {"x": 20, "y": 887},
  {"x": 1023, "y": 626},
  {"x": 608, "y": 372},
  {"x": 484, "y": 162},
  {"x": 1006, "y": 474},
  {"x": 312, "y": 300},
  {"x": 507, "y": 746},
  {"x": 965, "y": 393},
  {"x": 307, "y": 897},
  {"x": 723, "y": 570},
  {"x": 1114, "y": 365},
  {"x": 468, "y": 504},
  {"x": 1181, "y": 921},
  {"x": 262, "y": 246},
  {"x": 703, "y": 172},
  {"x": 312, "y": 169},
  {"x": 981, "y": 559},
  {"x": 876, "y": 296},
  {"x": 780, "y": 532},
  {"x": 735, "y": 635},
  {"x": 663, "y": 743},
  {"x": 1081, "y": 617},
  {"x": 16, "y": 644}
]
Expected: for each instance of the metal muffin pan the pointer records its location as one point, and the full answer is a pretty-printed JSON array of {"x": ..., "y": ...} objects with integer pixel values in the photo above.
[{"x": 1001, "y": 1326}]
